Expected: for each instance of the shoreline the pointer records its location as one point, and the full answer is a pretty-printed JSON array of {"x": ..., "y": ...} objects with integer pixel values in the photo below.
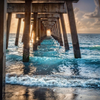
[{"x": 17, "y": 92}]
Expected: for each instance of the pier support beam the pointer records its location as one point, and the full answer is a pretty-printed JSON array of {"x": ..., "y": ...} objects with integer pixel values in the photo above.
[
  {"x": 43, "y": 35},
  {"x": 64, "y": 32},
  {"x": 39, "y": 31},
  {"x": 74, "y": 35},
  {"x": 23, "y": 33},
  {"x": 35, "y": 32},
  {"x": 8, "y": 28},
  {"x": 3, "y": 7},
  {"x": 28, "y": 5},
  {"x": 18, "y": 31},
  {"x": 32, "y": 31},
  {"x": 59, "y": 32}
]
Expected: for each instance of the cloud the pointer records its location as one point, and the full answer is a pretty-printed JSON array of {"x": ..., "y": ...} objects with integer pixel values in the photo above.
[
  {"x": 97, "y": 22},
  {"x": 76, "y": 10},
  {"x": 96, "y": 13},
  {"x": 86, "y": 25}
]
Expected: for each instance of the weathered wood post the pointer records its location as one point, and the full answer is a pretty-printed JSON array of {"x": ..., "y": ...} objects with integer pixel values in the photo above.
[
  {"x": 39, "y": 31},
  {"x": 28, "y": 5},
  {"x": 8, "y": 28},
  {"x": 74, "y": 35},
  {"x": 64, "y": 33},
  {"x": 59, "y": 32},
  {"x": 35, "y": 32},
  {"x": 32, "y": 30},
  {"x": 44, "y": 32},
  {"x": 18, "y": 31},
  {"x": 23, "y": 33},
  {"x": 3, "y": 11},
  {"x": 99, "y": 3}
]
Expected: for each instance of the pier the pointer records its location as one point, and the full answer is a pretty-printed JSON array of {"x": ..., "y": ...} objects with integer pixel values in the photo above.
[{"x": 42, "y": 15}]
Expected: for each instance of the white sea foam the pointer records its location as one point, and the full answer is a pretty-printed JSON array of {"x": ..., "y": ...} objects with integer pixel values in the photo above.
[
  {"x": 52, "y": 57},
  {"x": 53, "y": 81}
]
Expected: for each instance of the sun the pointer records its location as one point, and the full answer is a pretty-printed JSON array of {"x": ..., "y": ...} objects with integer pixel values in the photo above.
[{"x": 48, "y": 32}]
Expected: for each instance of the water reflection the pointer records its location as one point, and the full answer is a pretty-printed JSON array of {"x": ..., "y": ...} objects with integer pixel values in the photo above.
[
  {"x": 26, "y": 95},
  {"x": 44, "y": 94},
  {"x": 40, "y": 93},
  {"x": 74, "y": 68},
  {"x": 26, "y": 68},
  {"x": 39, "y": 69}
]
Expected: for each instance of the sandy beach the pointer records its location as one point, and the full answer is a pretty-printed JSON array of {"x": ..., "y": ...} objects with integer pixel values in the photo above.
[{"x": 17, "y": 92}]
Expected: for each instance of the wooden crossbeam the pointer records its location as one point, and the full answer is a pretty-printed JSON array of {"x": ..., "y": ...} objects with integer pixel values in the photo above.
[
  {"x": 40, "y": 1},
  {"x": 38, "y": 7},
  {"x": 49, "y": 20},
  {"x": 39, "y": 15}
]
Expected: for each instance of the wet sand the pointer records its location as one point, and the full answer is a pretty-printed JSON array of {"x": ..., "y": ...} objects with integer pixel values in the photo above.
[{"x": 17, "y": 92}]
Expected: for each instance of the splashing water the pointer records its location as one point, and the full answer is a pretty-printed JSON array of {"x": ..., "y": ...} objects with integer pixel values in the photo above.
[{"x": 51, "y": 66}]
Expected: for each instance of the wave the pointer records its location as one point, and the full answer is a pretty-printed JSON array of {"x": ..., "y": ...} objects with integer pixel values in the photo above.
[
  {"x": 96, "y": 47},
  {"x": 52, "y": 81}
]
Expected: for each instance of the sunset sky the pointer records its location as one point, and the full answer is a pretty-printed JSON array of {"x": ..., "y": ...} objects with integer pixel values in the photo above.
[{"x": 87, "y": 15}]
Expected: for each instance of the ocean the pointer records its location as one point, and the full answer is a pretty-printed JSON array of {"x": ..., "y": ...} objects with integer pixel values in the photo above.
[{"x": 51, "y": 67}]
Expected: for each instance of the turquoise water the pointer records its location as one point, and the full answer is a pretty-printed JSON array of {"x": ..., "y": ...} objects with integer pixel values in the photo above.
[{"x": 51, "y": 66}]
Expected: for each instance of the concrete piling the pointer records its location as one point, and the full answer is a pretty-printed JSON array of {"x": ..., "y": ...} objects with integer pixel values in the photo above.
[
  {"x": 28, "y": 5},
  {"x": 35, "y": 32},
  {"x": 39, "y": 31},
  {"x": 32, "y": 31},
  {"x": 18, "y": 31},
  {"x": 64, "y": 33},
  {"x": 3, "y": 12},
  {"x": 8, "y": 28},
  {"x": 59, "y": 32},
  {"x": 23, "y": 33},
  {"x": 74, "y": 35}
]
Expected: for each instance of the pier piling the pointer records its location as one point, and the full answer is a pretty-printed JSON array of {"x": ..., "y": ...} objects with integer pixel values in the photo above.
[
  {"x": 60, "y": 35},
  {"x": 39, "y": 31},
  {"x": 3, "y": 12},
  {"x": 35, "y": 32},
  {"x": 18, "y": 31},
  {"x": 74, "y": 35},
  {"x": 8, "y": 28},
  {"x": 28, "y": 5},
  {"x": 64, "y": 32}
]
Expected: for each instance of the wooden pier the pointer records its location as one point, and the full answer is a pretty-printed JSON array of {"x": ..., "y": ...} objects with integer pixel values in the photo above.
[{"x": 43, "y": 15}]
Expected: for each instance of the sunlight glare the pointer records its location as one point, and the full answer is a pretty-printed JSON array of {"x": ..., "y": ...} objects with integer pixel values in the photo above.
[{"x": 48, "y": 32}]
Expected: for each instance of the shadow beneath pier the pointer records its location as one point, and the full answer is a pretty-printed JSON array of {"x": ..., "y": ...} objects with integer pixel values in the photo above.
[
  {"x": 74, "y": 68},
  {"x": 31, "y": 69},
  {"x": 44, "y": 94},
  {"x": 26, "y": 68}
]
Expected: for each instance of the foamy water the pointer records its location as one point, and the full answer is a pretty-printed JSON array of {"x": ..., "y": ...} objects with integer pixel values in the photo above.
[{"x": 51, "y": 66}]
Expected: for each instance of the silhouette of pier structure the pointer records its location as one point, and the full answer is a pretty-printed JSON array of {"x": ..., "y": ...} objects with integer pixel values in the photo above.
[{"x": 42, "y": 15}]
